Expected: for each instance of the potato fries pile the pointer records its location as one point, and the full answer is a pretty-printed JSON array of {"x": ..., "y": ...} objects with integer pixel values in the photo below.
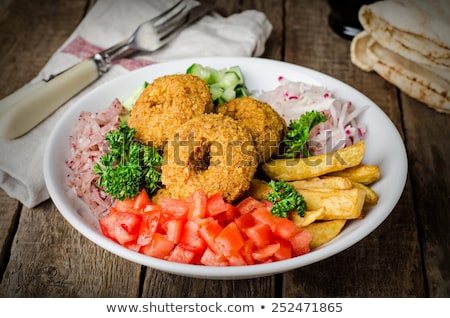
[{"x": 335, "y": 186}]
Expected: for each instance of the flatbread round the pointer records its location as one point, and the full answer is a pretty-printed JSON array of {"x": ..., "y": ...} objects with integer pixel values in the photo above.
[
  {"x": 409, "y": 46},
  {"x": 418, "y": 30}
]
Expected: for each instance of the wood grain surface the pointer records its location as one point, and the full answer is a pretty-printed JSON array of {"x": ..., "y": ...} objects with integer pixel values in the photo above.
[{"x": 41, "y": 255}]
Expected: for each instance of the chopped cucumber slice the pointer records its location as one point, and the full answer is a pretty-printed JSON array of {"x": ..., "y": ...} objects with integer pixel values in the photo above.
[
  {"x": 230, "y": 80},
  {"x": 215, "y": 91},
  {"x": 224, "y": 85},
  {"x": 229, "y": 94},
  {"x": 203, "y": 72}
]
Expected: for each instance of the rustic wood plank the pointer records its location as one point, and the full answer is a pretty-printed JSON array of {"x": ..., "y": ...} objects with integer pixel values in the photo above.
[
  {"x": 185, "y": 287},
  {"x": 428, "y": 144},
  {"x": 365, "y": 269},
  {"x": 49, "y": 258},
  {"x": 9, "y": 216}
]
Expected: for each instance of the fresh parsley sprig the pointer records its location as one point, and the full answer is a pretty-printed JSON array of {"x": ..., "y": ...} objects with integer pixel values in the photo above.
[
  {"x": 298, "y": 133},
  {"x": 285, "y": 199},
  {"x": 128, "y": 166}
]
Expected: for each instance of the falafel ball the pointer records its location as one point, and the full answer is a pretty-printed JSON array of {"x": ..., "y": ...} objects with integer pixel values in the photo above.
[
  {"x": 265, "y": 124},
  {"x": 210, "y": 152},
  {"x": 165, "y": 104}
]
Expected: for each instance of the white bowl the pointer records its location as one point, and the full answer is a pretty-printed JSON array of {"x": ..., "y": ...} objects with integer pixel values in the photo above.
[{"x": 384, "y": 148}]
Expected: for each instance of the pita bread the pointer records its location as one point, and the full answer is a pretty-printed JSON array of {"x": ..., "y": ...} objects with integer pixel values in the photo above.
[
  {"x": 418, "y": 30},
  {"x": 409, "y": 46},
  {"x": 413, "y": 79}
]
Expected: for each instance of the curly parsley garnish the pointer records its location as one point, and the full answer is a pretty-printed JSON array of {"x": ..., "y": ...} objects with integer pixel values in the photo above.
[
  {"x": 129, "y": 166},
  {"x": 299, "y": 129},
  {"x": 285, "y": 199}
]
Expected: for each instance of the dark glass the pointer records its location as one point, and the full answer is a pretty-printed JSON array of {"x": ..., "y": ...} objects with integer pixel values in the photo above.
[{"x": 343, "y": 18}]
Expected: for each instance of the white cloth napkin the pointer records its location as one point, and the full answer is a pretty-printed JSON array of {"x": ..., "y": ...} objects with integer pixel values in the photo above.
[{"x": 107, "y": 23}]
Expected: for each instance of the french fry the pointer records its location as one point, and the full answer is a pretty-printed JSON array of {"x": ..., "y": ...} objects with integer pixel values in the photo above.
[
  {"x": 335, "y": 187},
  {"x": 310, "y": 217},
  {"x": 323, "y": 232},
  {"x": 338, "y": 204},
  {"x": 260, "y": 188},
  {"x": 323, "y": 183},
  {"x": 365, "y": 174},
  {"x": 304, "y": 168},
  {"x": 371, "y": 197}
]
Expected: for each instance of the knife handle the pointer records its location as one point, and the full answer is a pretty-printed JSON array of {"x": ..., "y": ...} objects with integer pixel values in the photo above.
[
  {"x": 7, "y": 102},
  {"x": 27, "y": 107}
]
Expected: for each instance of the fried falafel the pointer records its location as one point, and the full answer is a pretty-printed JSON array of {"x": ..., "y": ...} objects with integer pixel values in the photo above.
[
  {"x": 167, "y": 103},
  {"x": 264, "y": 123},
  {"x": 210, "y": 152}
]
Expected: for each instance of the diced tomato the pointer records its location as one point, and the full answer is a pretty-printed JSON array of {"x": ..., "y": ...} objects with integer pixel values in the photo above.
[
  {"x": 230, "y": 240},
  {"x": 246, "y": 252},
  {"x": 203, "y": 230},
  {"x": 126, "y": 205},
  {"x": 236, "y": 260},
  {"x": 173, "y": 230},
  {"x": 133, "y": 246},
  {"x": 263, "y": 215},
  {"x": 245, "y": 221},
  {"x": 222, "y": 211},
  {"x": 248, "y": 204},
  {"x": 213, "y": 259},
  {"x": 226, "y": 217},
  {"x": 141, "y": 200},
  {"x": 284, "y": 252},
  {"x": 181, "y": 255},
  {"x": 260, "y": 234},
  {"x": 149, "y": 224},
  {"x": 152, "y": 207},
  {"x": 286, "y": 229},
  {"x": 134, "y": 205},
  {"x": 231, "y": 214},
  {"x": 208, "y": 232},
  {"x": 122, "y": 227},
  {"x": 216, "y": 204},
  {"x": 196, "y": 206},
  {"x": 113, "y": 209},
  {"x": 190, "y": 238},
  {"x": 160, "y": 246},
  {"x": 300, "y": 243},
  {"x": 265, "y": 253},
  {"x": 175, "y": 208}
]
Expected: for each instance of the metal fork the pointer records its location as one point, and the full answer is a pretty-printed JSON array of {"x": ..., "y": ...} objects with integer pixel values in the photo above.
[
  {"x": 152, "y": 34},
  {"x": 27, "y": 107}
]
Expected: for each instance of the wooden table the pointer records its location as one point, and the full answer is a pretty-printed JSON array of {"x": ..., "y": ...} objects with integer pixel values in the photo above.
[{"x": 406, "y": 256}]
